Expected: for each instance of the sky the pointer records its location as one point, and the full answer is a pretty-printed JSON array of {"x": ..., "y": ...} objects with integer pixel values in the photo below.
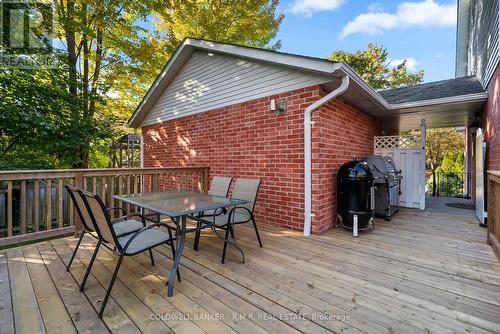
[{"x": 421, "y": 31}]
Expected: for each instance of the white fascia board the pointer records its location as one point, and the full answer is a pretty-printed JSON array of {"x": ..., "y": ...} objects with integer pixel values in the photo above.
[
  {"x": 366, "y": 87},
  {"x": 321, "y": 66}
]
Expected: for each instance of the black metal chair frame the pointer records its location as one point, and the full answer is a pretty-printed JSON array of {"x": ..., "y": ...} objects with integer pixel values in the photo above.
[
  {"x": 228, "y": 227},
  {"x": 118, "y": 249},
  {"x": 88, "y": 229},
  {"x": 199, "y": 223}
]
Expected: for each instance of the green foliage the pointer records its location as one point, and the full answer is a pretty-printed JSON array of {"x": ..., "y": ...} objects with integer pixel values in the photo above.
[
  {"x": 113, "y": 50},
  {"x": 40, "y": 123},
  {"x": 444, "y": 154},
  {"x": 452, "y": 164},
  {"x": 373, "y": 66},
  {"x": 143, "y": 52}
]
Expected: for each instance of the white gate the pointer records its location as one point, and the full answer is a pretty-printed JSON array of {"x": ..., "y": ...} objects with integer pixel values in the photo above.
[
  {"x": 480, "y": 148},
  {"x": 408, "y": 154}
]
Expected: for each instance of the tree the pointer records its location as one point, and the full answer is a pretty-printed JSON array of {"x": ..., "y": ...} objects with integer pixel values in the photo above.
[
  {"x": 374, "y": 67},
  {"x": 40, "y": 123},
  {"x": 116, "y": 48},
  {"x": 439, "y": 144},
  {"x": 112, "y": 50}
]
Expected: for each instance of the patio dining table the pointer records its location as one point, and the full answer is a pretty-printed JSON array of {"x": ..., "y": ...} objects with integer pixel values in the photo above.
[{"x": 179, "y": 206}]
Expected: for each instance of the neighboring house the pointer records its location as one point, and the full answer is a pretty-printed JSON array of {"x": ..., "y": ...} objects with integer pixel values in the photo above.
[
  {"x": 478, "y": 54},
  {"x": 210, "y": 106}
]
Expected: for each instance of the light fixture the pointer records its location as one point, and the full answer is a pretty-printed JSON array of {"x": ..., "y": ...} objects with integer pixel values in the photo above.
[
  {"x": 475, "y": 125},
  {"x": 278, "y": 107}
]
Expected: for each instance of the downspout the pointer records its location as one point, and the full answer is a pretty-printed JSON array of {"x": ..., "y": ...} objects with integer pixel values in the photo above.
[{"x": 307, "y": 150}]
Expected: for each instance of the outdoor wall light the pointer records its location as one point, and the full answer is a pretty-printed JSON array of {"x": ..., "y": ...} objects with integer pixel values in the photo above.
[
  {"x": 278, "y": 107},
  {"x": 475, "y": 125},
  {"x": 473, "y": 129}
]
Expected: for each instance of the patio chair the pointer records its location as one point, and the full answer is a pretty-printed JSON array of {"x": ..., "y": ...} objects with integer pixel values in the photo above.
[
  {"x": 145, "y": 239},
  {"x": 245, "y": 189},
  {"x": 122, "y": 225},
  {"x": 218, "y": 187}
]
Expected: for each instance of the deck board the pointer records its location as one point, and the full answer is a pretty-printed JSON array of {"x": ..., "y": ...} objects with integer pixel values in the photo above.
[
  {"x": 6, "y": 316},
  {"x": 27, "y": 316},
  {"x": 80, "y": 310},
  {"x": 52, "y": 309},
  {"x": 421, "y": 272}
]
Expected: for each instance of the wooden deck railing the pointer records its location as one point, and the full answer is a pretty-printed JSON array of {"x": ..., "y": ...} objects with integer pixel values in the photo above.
[
  {"x": 494, "y": 211},
  {"x": 34, "y": 204}
]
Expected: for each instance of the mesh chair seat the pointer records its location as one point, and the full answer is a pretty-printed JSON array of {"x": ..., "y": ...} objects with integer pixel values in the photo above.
[
  {"x": 127, "y": 226},
  {"x": 239, "y": 217},
  {"x": 144, "y": 241}
]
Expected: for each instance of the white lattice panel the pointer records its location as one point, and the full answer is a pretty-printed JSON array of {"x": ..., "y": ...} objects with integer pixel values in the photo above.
[{"x": 397, "y": 142}]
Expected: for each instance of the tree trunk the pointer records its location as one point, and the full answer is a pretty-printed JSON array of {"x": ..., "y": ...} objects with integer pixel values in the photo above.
[
  {"x": 434, "y": 183},
  {"x": 97, "y": 71},
  {"x": 71, "y": 44}
]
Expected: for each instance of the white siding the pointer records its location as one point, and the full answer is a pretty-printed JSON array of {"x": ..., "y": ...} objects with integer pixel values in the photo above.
[
  {"x": 483, "y": 39},
  {"x": 209, "y": 81}
]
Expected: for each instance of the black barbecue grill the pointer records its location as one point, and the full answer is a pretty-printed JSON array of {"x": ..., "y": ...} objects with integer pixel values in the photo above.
[
  {"x": 387, "y": 183},
  {"x": 355, "y": 196}
]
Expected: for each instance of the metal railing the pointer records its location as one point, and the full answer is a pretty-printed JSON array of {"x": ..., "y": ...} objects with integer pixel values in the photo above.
[
  {"x": 449, "y": 185},
  {"x": 34, "y": 205}
]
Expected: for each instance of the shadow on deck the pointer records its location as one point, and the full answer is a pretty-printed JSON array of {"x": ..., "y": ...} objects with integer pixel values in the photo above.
[{"x": 422, "y": 272}]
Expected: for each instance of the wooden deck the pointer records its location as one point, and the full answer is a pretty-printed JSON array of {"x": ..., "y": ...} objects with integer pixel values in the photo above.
[{"x": 419, "y": 273}]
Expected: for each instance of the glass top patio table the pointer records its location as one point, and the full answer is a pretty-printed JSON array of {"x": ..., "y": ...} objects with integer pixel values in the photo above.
[{"x": 176, "y": 203}]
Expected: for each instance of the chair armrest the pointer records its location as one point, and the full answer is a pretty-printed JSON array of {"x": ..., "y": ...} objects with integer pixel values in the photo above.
[
  {"x": 143, "y": 219},
  {"x": 233, "y": 210},
  {"x": 145, "y": 228}
]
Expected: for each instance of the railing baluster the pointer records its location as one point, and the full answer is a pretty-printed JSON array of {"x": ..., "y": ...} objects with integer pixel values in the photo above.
[
  {"x": 103, "y": 189},
  {"x": 120, "y": 190},
  {"x": 111, "y": 192},
  {"x": 94, "y": 184},
  {"x": 127, "y": 191},
  {"x": 48, "y": 201},
  {"x": 36, "y": 205},
  {"x": 9, "y": 208},
  {"x": 22, "y": 213},
  {"x": 136, "y": 190},
  {"x": 70, "y": 204},
  {"x": 60, "y": 217}
]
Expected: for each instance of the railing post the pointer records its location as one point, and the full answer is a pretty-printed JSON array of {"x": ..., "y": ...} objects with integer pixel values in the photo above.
[{"x": 493, "y": 188}]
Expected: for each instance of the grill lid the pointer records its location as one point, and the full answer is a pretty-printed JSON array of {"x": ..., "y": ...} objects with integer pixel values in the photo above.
[{"x": 355, "y": 169}]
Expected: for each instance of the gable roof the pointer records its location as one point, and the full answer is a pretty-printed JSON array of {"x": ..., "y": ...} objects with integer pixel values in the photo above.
[
  {"x": 301, "y": 63},
  {"x": 383, "y": 104},
  {"x": 433, "y": 90}
]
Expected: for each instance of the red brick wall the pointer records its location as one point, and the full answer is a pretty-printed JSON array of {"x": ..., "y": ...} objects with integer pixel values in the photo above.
[
  {"x": 492, "y": 122},
  {"x": 247, "y": 140},
  {"x": 340, "y": 133}
]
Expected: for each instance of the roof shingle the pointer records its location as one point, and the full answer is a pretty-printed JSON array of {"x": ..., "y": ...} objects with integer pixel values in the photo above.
[{"x": 433, "y": 90}]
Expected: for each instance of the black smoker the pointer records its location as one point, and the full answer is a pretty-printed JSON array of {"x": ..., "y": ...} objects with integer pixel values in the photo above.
[{"x": 355, "y": 195}]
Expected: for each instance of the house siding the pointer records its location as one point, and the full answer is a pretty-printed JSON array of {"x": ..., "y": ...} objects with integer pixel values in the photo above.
[
  {"x": 209, "y": 81},
  {"x": 481, "y": 25},
  {"x": 492, "y": 122},
  {"x": 247, "y": 140}
]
